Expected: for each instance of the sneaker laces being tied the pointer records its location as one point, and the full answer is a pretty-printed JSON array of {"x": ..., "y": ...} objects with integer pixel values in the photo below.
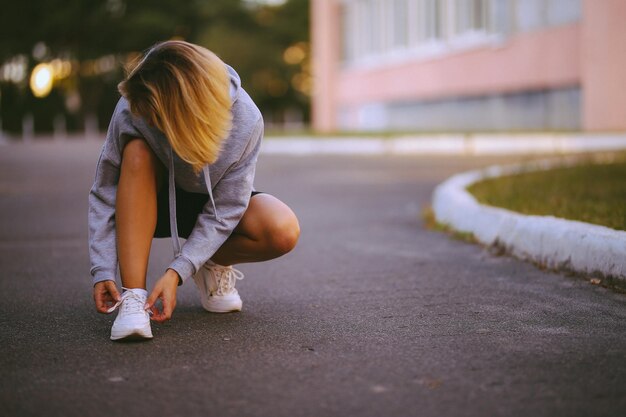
[
  {"x": 131, "y": 304},
  {"x": 226, "y": 277}
]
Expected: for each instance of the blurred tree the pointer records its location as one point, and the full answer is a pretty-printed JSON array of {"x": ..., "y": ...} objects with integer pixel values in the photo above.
[
  {"x": 92, "y": 28},
  {"x": 99, "y": 36},
  {"x": 256, "y": 45}
]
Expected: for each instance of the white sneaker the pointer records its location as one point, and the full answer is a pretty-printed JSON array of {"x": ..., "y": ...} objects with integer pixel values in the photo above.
[
  {"x": 216, "y": 285},
  {"x": 132, "y": 321}
]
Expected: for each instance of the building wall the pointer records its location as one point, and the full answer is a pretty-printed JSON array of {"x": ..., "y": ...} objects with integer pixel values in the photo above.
[
  {"x": 523, "y": 111},
  {"x": 604, "y": 65},
  {"x": 325, "y": 49},
  {"x": 542, "y": 70},
  {"x": 537, "y": 60}
]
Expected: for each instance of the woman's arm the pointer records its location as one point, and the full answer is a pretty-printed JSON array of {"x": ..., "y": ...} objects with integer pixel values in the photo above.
[{"x": 103, "y": 193}]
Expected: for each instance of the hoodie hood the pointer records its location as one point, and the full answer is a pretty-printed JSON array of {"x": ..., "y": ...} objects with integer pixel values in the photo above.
[{"x": 235, "y": 83}]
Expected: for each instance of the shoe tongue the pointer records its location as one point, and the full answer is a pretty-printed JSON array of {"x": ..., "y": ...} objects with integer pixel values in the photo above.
[{"x": 138, "y": 291}]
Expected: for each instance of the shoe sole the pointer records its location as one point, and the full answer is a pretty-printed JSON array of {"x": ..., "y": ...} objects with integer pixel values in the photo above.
[
  {"x": 131, "y": 334},
  {"x": 220, "y": 306}
]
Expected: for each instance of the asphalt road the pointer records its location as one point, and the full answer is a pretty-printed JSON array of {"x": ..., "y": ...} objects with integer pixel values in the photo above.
[{"x": 371, "y": 315}]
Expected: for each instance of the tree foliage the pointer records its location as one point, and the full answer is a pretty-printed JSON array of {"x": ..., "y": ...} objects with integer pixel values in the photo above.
[{"x": 249, "y": 36}]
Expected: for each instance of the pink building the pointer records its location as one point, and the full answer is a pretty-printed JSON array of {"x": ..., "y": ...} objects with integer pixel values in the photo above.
[{"x": 485, "y": 65}]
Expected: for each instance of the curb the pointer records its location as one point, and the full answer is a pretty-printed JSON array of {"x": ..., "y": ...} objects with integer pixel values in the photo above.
[
  {"x": 445, "y": 144},
  {"x": 553, "y": 242},
  {"x": 433, "y": 144}
]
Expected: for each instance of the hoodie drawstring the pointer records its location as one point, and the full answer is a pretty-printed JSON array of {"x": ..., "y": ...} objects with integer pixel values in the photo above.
[
  {"x": 207, "y": 180},
  {"x": 172, "y": 202}
]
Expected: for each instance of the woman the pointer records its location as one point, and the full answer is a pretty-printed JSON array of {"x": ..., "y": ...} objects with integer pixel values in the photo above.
[{"x": 179, "y": 160}]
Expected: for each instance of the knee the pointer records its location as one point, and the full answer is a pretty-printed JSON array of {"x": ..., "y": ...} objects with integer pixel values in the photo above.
[
  {"x": 283, "y": 235},
  {"x": 137, "y": 156}
]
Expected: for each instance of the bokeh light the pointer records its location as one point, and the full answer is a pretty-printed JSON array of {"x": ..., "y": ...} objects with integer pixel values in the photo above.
[{"x": 41, "y": 80}]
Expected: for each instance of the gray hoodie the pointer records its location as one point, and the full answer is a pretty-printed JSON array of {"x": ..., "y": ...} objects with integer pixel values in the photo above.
[{"x": 227, "y": 182}]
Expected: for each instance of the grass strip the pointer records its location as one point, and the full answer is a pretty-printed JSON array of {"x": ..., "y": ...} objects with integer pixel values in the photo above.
[{"x": 588, "y": 192}]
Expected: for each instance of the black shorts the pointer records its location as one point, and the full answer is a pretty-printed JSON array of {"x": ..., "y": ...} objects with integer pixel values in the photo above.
[{"x": 188, "y": 207}]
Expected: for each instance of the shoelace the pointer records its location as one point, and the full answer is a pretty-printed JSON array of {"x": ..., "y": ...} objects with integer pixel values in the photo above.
[
  {"x": 131, "y": 303},
  {"x": 226, "y": 278}
]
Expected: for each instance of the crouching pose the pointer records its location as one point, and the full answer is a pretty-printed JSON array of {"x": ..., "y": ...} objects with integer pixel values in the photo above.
[{"x": 179, "y": 161}]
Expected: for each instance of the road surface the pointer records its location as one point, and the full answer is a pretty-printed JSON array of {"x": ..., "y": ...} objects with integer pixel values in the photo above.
[{"x": 371, "y": 315}]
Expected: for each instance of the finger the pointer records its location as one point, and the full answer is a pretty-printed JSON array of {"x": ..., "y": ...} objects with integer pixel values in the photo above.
[
  {"x": 167, "y": 311},
  {"x": 100, "y": 304},
  {"x": 100, "y": 297},
  {"x": 98, "y": 300},
  {"x": 152, "y": 298},
  {"x": 158, "y": 316},
  {"x": 159, "y": 319},
  {"x": 106, "y": 298},
  {"x": 162, "y": 315},
  {"x": 153, "y": 311},
  {"x": 112, "y": 290}
]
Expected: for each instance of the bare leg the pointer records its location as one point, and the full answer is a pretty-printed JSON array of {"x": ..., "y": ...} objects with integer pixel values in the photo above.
[
  {"x": 136, "y": 211},
  {"x": 267, "y": 230}
]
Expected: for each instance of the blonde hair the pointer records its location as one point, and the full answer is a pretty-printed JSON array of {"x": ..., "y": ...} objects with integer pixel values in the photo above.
[{"x": 184, "y": 90}]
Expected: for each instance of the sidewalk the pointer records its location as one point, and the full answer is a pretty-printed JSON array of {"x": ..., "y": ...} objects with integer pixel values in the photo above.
[
  {"x": 447, "y": 144},
  {"x": 426, "y": 144}
]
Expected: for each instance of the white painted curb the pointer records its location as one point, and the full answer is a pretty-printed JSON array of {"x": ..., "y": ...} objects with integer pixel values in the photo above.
[
  {"x": 445, "y": 144},
  {"x": 553, "y": 242}
]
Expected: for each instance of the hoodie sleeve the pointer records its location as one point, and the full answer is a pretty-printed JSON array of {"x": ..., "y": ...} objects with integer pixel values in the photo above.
[
  {"x": 101, "y": 215},
  {"x": 231, "y": 195}
]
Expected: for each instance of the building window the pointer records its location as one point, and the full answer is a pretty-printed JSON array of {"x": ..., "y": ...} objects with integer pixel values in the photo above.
[
  {"x": 561, "y": 12},
  {"x": 537, "y": 14},
  {"x": 376, "y": 28},
  {"x": 432, "y": 19},
  {"x": 469, "y": 16},
  {"x": 530, "y": 14},
  {"x": 400, "y": 23},
  {"x": 376, "y": 31},
  {"x": 501, "y": 17}
]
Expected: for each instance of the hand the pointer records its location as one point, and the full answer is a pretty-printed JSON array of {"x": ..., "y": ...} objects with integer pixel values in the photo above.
[
  {"x": 105, "y": 294},
  {"x": 165, "y": 290}
]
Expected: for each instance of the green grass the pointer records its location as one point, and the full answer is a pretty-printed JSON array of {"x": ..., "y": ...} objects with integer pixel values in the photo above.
[{"x": 589, "y": 192}]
